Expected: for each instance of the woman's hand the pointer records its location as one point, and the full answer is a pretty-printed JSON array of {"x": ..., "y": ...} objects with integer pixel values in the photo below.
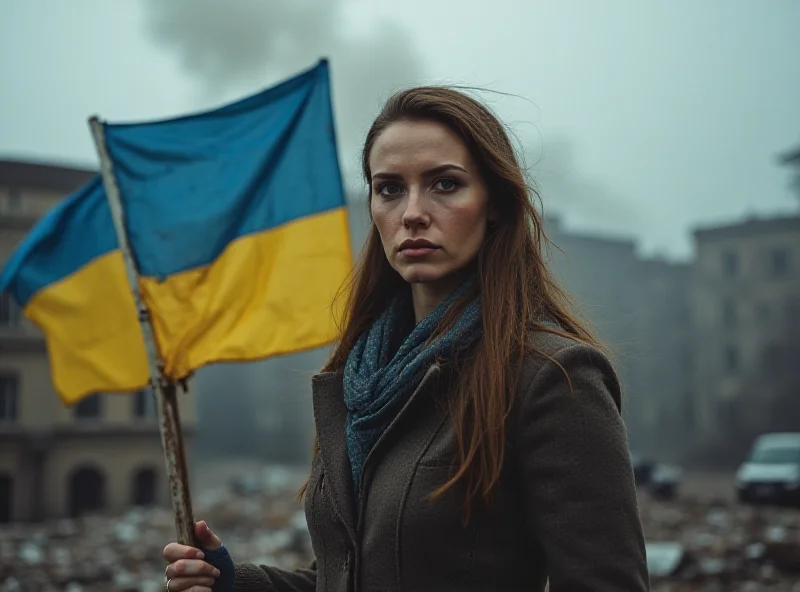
[{"x": 187, "y": 570}]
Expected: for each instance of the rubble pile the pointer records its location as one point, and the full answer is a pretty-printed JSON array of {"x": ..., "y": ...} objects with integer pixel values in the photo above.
[
  {"x": 124, "y": 554},
  {"x": 712, "y": 546},
  {"x": 693, "y": 545}
]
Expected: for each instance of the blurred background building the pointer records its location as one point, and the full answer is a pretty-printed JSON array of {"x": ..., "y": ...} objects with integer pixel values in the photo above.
[
  {"x": 745, "y": 308},
  {"x": 103, "y": 454},
  {"x": 666, "y": 195},
  {"x": 704, "y": 349}
]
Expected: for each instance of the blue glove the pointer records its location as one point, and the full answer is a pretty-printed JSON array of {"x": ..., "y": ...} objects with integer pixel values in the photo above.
[{"x": 221, "y": 559}]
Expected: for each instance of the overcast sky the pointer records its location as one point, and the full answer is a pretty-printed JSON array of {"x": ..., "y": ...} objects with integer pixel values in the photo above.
[{"x": 640, "y": 119}]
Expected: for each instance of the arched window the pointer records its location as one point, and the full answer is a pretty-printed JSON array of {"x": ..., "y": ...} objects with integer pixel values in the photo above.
[
  {"x": 144, "y": 405},
  {"x": 6, "y": 497},
  {"x": 87, "y": 491},
  {"x": 144, "y": 487},
  {"x": 88, "y": 408}
]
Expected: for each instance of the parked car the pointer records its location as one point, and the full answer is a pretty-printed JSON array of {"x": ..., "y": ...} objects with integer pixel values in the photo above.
[
  {"x": 661, "y": 480},
  {"x": 664, "y": 482},
  {"x": 771, "y": 473},
  {"x": 642, "y": 469}
]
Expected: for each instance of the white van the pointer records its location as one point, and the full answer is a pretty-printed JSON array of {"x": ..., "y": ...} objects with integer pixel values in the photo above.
[{"x": 771, "y": 473}]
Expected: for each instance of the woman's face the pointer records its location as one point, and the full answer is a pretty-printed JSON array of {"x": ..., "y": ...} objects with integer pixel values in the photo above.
[{"x": 429, "y": 202}]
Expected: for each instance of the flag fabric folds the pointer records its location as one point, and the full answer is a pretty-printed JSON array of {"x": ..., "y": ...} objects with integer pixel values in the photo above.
[
  {"x": 236, "y": 219},
  {"x": 69, "y": 278}
]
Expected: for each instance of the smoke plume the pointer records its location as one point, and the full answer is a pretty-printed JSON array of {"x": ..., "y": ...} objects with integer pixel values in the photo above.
[
  {"x": 232, "y": 46},
  {"x": 235, "y": 48}
]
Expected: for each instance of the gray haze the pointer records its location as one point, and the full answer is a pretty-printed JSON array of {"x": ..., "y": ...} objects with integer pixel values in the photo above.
[
  {"x": 563, "y": 188},
  {"x": 675, "y": 110},
  {"x": 229, "y": 45},
  {"x": 642, "y": 120}
]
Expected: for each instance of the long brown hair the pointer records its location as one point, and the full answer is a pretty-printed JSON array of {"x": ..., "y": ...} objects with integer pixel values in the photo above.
[{"x": 517, "y": 289}]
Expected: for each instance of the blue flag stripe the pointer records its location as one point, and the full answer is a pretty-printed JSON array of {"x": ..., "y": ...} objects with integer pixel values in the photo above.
[
  {"x": 193, "y": 185},
  {"x": 71, "y": 235}
]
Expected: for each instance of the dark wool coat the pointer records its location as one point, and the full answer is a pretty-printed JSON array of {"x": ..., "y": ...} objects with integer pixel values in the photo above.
[{"x": 565, "y": 508}]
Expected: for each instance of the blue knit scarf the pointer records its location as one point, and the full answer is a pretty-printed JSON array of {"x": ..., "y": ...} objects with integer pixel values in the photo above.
[{"x": 378, "y": 381}]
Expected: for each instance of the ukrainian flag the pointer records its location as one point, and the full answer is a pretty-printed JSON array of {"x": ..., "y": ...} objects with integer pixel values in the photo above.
[{"x": 237, "y": 223}]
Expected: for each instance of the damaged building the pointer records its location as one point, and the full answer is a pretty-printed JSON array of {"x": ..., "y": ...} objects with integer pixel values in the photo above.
[{"x": 102, "y": 454}]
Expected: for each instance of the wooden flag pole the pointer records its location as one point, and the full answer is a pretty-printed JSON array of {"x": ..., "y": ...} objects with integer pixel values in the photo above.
[{"x": 163, "y": 389}]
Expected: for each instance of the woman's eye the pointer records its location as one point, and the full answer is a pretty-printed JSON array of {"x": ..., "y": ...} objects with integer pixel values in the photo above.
[
  {"x": 390, "y": 190},
  {"x": 445, "y": 185}
]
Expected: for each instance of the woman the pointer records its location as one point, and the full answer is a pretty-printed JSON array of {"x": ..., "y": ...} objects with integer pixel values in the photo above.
[{"x": 468, "y": 428}]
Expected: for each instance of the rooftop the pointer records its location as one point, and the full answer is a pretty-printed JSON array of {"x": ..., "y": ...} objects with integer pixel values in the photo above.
[
  {"x": 558, "y": 233},
  {"x": 38, "y": 175},
  {"x": 750, "y": 227}
]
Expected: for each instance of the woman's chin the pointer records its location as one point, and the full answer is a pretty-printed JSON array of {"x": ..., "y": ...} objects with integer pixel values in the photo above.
[
  {"x": 431, "y": 274},
  {"x": 422, "y": 274}
]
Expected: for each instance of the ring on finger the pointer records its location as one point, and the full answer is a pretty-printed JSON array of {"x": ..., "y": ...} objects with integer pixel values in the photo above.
[{"x": 168, "y": 581}]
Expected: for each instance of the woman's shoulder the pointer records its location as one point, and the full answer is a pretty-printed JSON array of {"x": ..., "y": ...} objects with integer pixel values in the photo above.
[
  {"x": 558, "y": 365},
  {"x": 544, "y": 346}
]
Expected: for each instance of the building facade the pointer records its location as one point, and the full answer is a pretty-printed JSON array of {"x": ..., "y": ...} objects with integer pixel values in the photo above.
[
  {"x": 102, "y": 454},
  {"x": 745, "y": 309},
  {"x": 639, "y": 309},
  {"x": 602, "y": 275},
  {"x": 664, "y": 411}
]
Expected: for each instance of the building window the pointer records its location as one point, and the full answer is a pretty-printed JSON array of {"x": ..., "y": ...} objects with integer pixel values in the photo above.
[
  {"x": 793, "y": 313},
  {"x": 14, "y": 200},
  {"x": 774, "y": 360},
  {"x": 689, "y": 417},
  {"x": 144, "y": 487},
  {"x": 732, "y": 359},
  {"x": 730, "y": 416},
  {"x": 730, "y": 315},
  {"x": 9, "y": 311},
  {"x": 88, "y": 408},
  {"x": 6, "y": 498},
  {"x": 9, "y": 394},
  {"x": 762, "y": 311},
  {"x": 87, "y": 491},
  {"x": 779, "y": 262},
  {"x": 730, "y": 264},
  {"x": 144, "y": 405}
]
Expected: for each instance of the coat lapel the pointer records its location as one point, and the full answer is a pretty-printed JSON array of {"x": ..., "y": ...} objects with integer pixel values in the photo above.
[{"x": 330, "y": 417}]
